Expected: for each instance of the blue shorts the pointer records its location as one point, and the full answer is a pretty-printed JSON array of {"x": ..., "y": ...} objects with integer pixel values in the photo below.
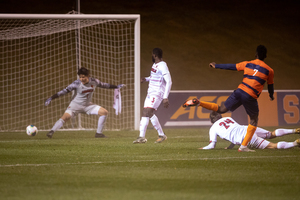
[{"x": 238, "y": 98}]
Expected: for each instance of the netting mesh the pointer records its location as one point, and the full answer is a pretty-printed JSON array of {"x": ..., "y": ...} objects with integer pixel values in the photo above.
[{"x": 40, "y": 57}]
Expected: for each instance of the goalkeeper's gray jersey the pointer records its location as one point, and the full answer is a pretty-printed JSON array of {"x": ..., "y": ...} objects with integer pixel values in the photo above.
[{"x": 83, "y": 93}]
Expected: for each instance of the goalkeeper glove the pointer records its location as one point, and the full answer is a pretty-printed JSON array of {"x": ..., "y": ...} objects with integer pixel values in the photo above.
[
  {"x": 191, "y": 102},
  {"x": 47, "y": 102},
  {"x": 120, "y": 86}
]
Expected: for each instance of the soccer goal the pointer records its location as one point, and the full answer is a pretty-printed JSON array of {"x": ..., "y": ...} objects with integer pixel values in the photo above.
[{"x": 41, "y": 53}]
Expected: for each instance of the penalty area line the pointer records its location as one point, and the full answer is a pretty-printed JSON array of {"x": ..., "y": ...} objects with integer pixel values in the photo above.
[{"x": 138, "y": 161}]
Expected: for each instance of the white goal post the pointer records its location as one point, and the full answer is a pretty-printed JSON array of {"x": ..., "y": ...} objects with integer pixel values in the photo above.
[{"x": 41, "y": 53}]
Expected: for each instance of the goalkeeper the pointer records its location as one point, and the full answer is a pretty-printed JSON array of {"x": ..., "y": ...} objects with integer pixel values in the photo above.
[
  {"x": 228, "y": 129},
  {"x": 84, "y": 88}
]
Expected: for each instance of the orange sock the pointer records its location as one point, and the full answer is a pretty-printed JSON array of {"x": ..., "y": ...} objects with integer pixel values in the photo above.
[
  {"x": 250, "y": 131},
  {"x": 209, "y": 106}
]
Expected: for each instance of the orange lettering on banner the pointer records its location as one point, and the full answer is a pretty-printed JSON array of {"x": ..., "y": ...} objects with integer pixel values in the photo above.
[{"x": 290, "y": 105}]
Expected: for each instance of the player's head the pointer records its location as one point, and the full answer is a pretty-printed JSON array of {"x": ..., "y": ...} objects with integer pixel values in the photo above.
[
  {"x": 261, "y": 52},
  {"x": 214, "y": 116},
  {"x": 83, "y": 71},
  {"x": 83, "y": 74},
  {"x": 158, "y": 52}
]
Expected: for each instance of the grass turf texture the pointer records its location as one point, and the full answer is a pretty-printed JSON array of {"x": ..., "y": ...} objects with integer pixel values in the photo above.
[{"x": 75, "y": 165}]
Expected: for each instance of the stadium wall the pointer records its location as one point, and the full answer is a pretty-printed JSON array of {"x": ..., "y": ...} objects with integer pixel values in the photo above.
[{"x": 283, "y": 111}]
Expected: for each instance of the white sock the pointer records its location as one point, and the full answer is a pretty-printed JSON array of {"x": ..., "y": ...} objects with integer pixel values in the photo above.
[
  {"x": 143, "y": 126},
  {"x": 156, "y": 124},
  {"x": 58, "y": 124},
  {"x": 286, "y": 145},
  {"x": 281, "y": 132},
  {"x": 101, "y": 123}
]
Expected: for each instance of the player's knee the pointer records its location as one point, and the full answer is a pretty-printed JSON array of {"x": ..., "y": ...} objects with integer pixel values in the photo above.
[
  {"x": 254, "y": 120},
  {"x": 222, "y": 109},
  {"x": 147, "y": 112},
  {"x": 271, "y": 146},
  {"x": 103, "y": 111}
]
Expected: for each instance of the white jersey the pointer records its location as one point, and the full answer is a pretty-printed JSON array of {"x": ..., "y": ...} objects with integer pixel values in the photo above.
[
  {"x": 157, "y": 83},
  {"x": 83, "y": 92},
  {"x": 228, "y": 129}
]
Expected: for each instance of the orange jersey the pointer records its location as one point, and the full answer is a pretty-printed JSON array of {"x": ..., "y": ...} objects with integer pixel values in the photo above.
[{"x": 256, "y": 73}]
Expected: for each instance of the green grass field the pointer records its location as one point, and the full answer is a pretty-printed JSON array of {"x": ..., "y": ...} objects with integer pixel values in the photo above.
[{"x": 75, "y": 165}]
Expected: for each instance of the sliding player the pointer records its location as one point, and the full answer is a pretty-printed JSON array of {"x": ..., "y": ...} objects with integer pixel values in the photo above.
[
  {"x": 256, "y": 73},
  {"x": 84, "y": 88},
  {"x": 228, "y": 129},
  {"x": 158, "y": 91}
]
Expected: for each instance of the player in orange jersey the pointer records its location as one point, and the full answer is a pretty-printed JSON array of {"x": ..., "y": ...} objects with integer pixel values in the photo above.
[{"x": 256, "y": 73}]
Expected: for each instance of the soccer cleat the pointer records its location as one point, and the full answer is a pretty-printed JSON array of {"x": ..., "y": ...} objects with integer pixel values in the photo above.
[
  {"x": 298, "y": 142},
  {"x": 50, "y": 133},
  {"x": 245, "y": 149},
  {"x": 191, "y": 102},
  {"x": 161, "y": 139},
  {"x": 100, "y": 135},
  {"x": 140, "y": 140},
  {"x": 297, "y": 130}
]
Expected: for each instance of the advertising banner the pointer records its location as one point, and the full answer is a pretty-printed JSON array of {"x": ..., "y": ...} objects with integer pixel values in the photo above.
[{"x": 283, "y": 111}]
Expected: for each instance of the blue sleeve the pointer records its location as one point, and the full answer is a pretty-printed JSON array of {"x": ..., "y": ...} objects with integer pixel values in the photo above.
[{"x": 226, "y": 66}]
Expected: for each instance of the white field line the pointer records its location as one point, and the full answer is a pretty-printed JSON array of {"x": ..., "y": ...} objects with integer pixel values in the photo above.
[{"x": 137, "y": 161}]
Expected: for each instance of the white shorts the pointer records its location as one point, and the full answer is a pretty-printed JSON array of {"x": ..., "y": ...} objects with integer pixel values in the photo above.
[
  {"x": 260, "y": 132},
  {"x": 152, "y": 101},
  {"x": 258, "y": 142},
  {"x": 91, "y": 109}
]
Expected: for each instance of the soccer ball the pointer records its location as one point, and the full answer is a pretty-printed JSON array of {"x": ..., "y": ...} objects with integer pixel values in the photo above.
[{"x": 31, "y": 130}]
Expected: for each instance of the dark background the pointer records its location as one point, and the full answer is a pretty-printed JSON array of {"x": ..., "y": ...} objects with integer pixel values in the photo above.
[{"x": 194, "y": 33}]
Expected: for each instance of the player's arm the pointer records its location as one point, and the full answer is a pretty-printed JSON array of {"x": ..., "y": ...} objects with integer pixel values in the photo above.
[
  {"x": 230, "y": 146},
  {"x": 213, "y": 139},
  {"x": 223, "y": 66},
  {"x": 60, "y": 93},
  {"x": 145, "y": 79},
  {"x": 107, "y": 85},
  {"x": 271, "y": 91},
  {"x": 168, "y": 79},
  {"x": 271, "y": 85},
  {"x": 65, "y": 91}
]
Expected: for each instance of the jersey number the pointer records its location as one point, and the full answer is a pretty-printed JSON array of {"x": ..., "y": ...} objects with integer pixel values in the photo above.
[
  {"x": 255, "y": 71},
  {"x": 226, "y": 123}
]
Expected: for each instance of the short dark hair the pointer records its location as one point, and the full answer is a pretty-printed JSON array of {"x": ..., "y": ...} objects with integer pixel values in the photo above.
[
  {"x": 261, "y": 52},
  {"x": 83, "y": 71},
  {"x": 214, "y": 116},
  {"x": 158, "y": 52}
]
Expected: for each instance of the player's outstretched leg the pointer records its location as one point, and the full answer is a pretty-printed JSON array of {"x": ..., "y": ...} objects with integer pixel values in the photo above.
[{"x": 56, "y": 126}]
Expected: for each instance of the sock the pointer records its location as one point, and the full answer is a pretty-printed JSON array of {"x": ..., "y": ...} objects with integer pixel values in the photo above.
[
  {"x": 143, "y": 126},
  {"x": 281, "y": 132},
  {"x": 101, "y": 123},
  {"x": 250, "y": 131},
  {"x": 58, "y": 124},
  {"x": 209, "y": 106},
  {"x": 286, "y": 145},
  {"x": 157, "y": 126}
]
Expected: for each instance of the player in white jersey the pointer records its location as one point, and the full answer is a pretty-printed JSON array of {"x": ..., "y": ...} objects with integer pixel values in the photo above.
[
  {"x": 228, "y": 129},
  {"x": 160, "y": 83},
  {"x": 81, "y": 102}
]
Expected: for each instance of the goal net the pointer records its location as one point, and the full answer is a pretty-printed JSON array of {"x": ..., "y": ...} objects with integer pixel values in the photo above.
[{"x": 41, "y": 54}]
